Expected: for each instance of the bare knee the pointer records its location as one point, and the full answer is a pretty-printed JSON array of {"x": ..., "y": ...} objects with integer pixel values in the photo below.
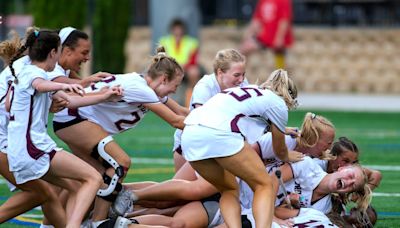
[
  {"x": 125, "y": 161},
  {"x": 48, "y": 195},
  {"x": 97, "y": 178},
  {"x": 93, "y": 177},
  {"x": 263, "y": 183}
]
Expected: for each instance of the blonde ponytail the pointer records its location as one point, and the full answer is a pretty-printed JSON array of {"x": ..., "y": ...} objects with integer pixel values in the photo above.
[
  {"x": 311, "y": 130},
  {"x": 280, "y": 83}
]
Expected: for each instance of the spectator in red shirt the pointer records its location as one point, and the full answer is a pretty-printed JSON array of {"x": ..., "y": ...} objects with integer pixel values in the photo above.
[{"x": 270, "y": 27}]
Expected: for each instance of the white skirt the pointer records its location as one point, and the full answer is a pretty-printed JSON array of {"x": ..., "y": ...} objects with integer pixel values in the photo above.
[
  {"x": 35, "y": 171},
  {"x": 177, "y": 139},
  {"x": 200, "y": 143}
]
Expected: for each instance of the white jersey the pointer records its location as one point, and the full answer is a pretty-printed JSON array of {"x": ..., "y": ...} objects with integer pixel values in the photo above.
[
  {"x": 204, "y": 89},
  {"x": 224, "y": 110},
  {"x": 322, "y": 163},
  {"x": 306, "y": 176},
  {"x": 246, "y": 194},
  {"x": 307, "y": 217},
  {"x": 116, "y": 117},
  {"x": 66, "y": 114},
  {"x": 6, "y": 79},
  {"x": 267, "y": 150},
  {"x": 58, "y": 71},
  {"x": 28, "y": 141}
]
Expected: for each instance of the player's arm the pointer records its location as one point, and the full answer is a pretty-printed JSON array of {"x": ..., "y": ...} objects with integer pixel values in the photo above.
[
  {"x": 280, "y": 148},
  {"x": 283, "y": 212},
  {"x": 44, "y": 86},
  {"x": 85, "y": 82},
  {"x": 58, "y": 104},
  {"x": 175, "y": 107},
  {"x": 278, "y": 144},
  {"x": 374, "y": 177},
  {"x": 75, "y": 101},
  {"x": 166, "y": 114},
  {"x": 66, "y": 80},
  {"x": 256, "y": 148}
]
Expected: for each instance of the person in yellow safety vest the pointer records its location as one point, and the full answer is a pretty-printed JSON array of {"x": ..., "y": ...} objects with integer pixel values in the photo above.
[{"x": 184, "y": 49}]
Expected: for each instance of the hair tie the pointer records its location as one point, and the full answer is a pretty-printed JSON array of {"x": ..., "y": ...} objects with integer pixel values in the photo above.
[
  {"x": 36, "y": 32},
  {"x": 64, "y": 33},
  {"x": 162, "y": 53},
  {"x": 313, "y": 116}
]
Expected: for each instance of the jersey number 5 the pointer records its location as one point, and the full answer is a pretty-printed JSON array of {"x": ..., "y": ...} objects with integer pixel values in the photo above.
[{"x": 246, "y": 94}]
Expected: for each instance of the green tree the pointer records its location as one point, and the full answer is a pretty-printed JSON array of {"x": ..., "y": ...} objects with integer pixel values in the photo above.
[
  {"x": 110, "y": 28},
  {"x": 58, "y": 14}
]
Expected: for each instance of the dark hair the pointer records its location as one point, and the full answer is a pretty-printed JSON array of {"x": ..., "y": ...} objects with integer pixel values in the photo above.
[
  {"x": 39, "y": 45},
  {"x": 177, "y": 22},
  {"x": 73, "y": 38},
  {"x": 338, "y": 220},
  {"x": 343, "y": 144},
  {"x": 164, "y": 64}
]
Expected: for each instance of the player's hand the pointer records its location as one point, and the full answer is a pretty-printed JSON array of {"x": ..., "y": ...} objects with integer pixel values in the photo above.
[
  {"x": 99, "y": 76},
  {"x": 114, "y": 93},
  {"x": 94, "y": 78},
  {"x": 295, "y": 156},
  {"x": 58, "y": 104},
  {"x": 292, "y": 131},
  {"x": 75, "y": 88},
  {"x": 284, "y": 223}
]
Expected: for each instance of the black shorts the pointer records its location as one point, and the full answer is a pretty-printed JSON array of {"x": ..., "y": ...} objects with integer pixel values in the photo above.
[{"x": 61, "y": 125}]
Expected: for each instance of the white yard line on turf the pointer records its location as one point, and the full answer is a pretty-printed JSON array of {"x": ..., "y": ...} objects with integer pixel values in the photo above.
[
  {"x": 384, "y": 167},
  {"x": 158, "y": 161},
  {"x": 384, "y": 194}
]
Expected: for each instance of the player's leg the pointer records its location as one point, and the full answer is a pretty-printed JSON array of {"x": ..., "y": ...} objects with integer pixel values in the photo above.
[
  {"x": 67, "y": 166},
  {"x": 226, "y": 183},
  {"x": 33, "y": 195},
  {"x": 248, "y": 166},
  {"x": 86, "y": 146}
]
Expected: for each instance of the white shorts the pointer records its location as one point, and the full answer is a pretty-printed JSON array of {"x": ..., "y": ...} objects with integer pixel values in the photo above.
[
  {"x": 12, "y": 187},
  {"x": 200, "y": 143},
  {"x": 177, "y": 139},
  {"x": 36, "y": 169},
  {"x": 3, "y": 131}
]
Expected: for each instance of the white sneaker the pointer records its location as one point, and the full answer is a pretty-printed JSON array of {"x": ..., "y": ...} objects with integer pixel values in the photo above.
[
  {"x": 123, "y": 202},
  {"x": 87, "y": 223},
  {"x": 122, "y": 222}
]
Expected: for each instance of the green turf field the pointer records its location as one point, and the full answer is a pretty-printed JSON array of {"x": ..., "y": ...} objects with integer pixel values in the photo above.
[{"x": 376, "y": 134}]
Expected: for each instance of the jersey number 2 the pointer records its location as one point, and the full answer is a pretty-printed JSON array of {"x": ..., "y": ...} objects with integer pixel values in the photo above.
[{"x": 134, "y": 120}]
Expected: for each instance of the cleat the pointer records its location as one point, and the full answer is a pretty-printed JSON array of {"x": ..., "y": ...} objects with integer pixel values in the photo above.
[
  {"x": 122, "y": 222},
  {"x": 123, "y": 202}
]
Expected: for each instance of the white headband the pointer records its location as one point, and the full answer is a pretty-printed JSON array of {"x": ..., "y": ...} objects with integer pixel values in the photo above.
[{"x": 64, "y": 33}]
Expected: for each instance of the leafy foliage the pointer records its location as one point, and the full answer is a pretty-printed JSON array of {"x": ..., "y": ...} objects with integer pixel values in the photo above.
[
  {"x": 58, "y": 14},
  {"x": 110, "y": 27}
]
